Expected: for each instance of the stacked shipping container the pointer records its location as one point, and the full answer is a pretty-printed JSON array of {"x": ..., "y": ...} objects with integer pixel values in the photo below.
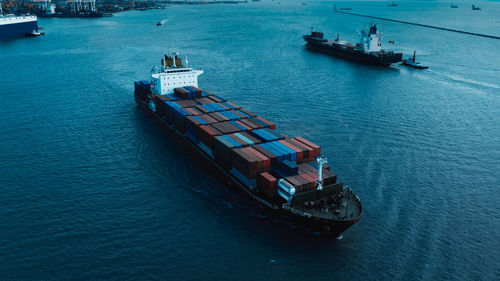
[{"x": 245, "y": 145}]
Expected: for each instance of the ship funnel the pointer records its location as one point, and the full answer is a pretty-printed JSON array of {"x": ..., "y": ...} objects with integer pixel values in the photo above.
[{"x": 169, "y": 62}]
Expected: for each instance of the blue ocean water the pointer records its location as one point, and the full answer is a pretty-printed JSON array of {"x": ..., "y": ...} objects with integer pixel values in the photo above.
[{"x": 92, "y": 190}]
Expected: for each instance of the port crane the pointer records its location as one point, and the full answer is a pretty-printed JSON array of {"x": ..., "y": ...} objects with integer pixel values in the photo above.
[
  {"x": 82, "y": 6},
  {"x": 46, "y": 5}
]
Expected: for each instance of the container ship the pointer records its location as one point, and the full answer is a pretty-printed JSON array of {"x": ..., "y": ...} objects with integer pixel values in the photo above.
[
  {"x": 287, "y": 176},
  {"x": 12, "y": 26},
  {"x": 367, "y": 50}
]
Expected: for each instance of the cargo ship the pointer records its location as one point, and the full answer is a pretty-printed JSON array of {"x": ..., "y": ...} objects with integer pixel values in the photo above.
[
  {"x": 367, "y": 50},
  {"x": 287, "y": 176},
  {"x": 12, "y": 26}
]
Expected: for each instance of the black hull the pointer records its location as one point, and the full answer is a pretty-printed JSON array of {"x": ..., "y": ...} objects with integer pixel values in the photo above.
[
  {"x": 382, "y": 59},
  {"x": 325, "y": 227}
]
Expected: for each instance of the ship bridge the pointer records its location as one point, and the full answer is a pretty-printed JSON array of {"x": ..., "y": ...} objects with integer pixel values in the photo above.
[{"x": 173, "y": 73}]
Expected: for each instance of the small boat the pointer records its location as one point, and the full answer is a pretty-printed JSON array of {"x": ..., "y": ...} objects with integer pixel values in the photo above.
[
  {"x": 345, "y": 9},
  {"x": 304, "y": 4},
  {"x": 35, "y": 33},
  {"x": 391, "y": 42},
  {"x": 453, "y": 5},
  {"x": 160, "y": 23},
  {"x": 412, "y": 63},
  {"x": 393, "y": 4},
  {"x": 475, "y": 8}
]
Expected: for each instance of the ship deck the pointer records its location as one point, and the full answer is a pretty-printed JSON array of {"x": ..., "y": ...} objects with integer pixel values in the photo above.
[{"x": 332, "y": 203}]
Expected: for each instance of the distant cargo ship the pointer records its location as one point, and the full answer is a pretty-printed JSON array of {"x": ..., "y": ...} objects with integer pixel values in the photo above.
[
  {"x": 12, "y": 27},
  {"x": 288, "y": 176},
  {"x": 367, "y": 50}
]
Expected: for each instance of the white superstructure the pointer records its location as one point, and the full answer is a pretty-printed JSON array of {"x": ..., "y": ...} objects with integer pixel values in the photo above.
[
  {"x": 12, "y": 19},
  {"x": 371, "y": 41},
  {"x": 173, "y": 73}
]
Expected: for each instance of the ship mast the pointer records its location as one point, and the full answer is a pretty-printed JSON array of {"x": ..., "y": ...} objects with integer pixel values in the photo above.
[{"x": 321, "y": 160}]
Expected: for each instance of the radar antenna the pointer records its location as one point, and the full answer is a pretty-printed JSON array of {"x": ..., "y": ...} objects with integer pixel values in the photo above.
[{"x": 321, "y": 160}]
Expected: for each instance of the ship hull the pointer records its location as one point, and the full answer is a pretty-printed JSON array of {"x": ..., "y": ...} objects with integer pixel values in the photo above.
[
  {"x": 323, "y": 227},
  {"x": 14, "y": 30},
  {"x": 385, "y": 59}
]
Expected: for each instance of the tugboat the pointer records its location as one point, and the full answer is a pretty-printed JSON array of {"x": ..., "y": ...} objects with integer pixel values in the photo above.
[
  {"x": 367, "y": 50},
  {"x": 35, "y": 33},
  {"x": 412, "y": 63},
  {"x": 475, "y": 8}
]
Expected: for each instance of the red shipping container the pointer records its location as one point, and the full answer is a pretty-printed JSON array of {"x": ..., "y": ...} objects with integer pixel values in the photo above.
[
  {"x": 265, "y": 162},
  {"x": 310, "y": 180},
  {"x": 207, "y": 133},
  {"x": 271, "y": 124},
  {"x": 241, "y": 116},
  {"x": 215, "y": 99},
  {"x": 190, "y": 111},
  {"x": 314, "y": 176},
  {"x": 245, "y": 163},
  {"x": 267, "y": 184},
  {"x": 204, "y": 101},
  {"x": 266, "y": 152},
  {"x": 300, "y": 154},
  {"x": 243, "y": 124},
  {"x": 164, "y": 98},
  {"x": 307, "y": 151},
  {"x": 193, "y": 110},
  {"x": 247, "y": 112},
  {"x": 207, "y": 118},
  {"x": 293, "y": 181},
  {"x": 317, "y": 148},
  {"x": 217, "y": 116},
  {"x": 202, "y": 109},
  {"x": 186, "y": 103},
  {"x": 226, "y": 108},
  {"x": 233, "y": 105},
  {"x": 208, "y": 93}
]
